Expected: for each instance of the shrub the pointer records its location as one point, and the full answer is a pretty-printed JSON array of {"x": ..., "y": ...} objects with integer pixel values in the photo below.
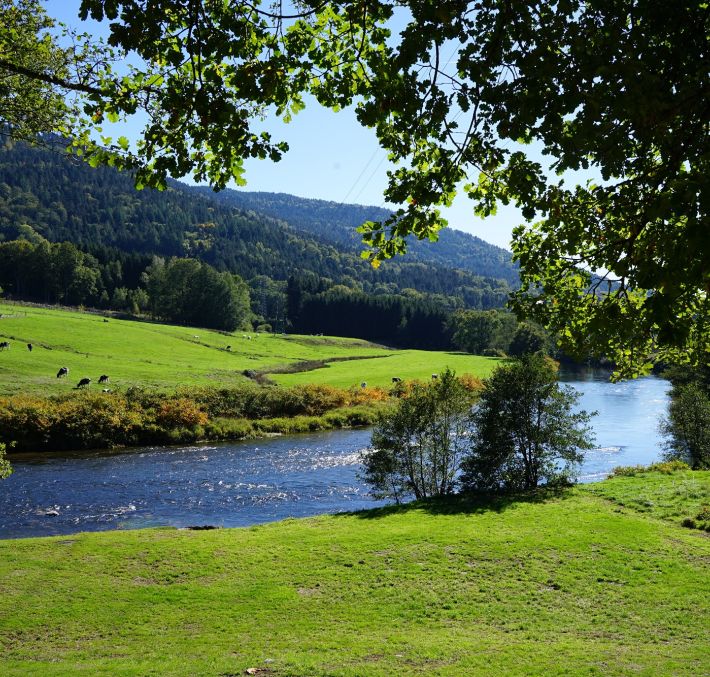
[
  {"x": 5, "y": 467},
  {"x": 524, "y": 430},
  {"x": 317, "y": 399},
  {"x": 668, "y": 467},
  {"x": 665, "y": 467},
  {"x": 471, "y": 383},
  {"x": 180, "y": 412},
  {"x": 229, "y": 429},
  {"x": 367, "y": 395},
  {"x": 627, "y": 470},
  {"x": 417, "y": 446},
  {"x": 687, "y": 426},
  {"x": 88, "y": 420},
  {"x": 92, "y": 421}
]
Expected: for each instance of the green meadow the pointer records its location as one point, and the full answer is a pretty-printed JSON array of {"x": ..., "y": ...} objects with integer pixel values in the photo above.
[
  {"x": 590, "y": 581},
  {"x": 165, "y": 356}
]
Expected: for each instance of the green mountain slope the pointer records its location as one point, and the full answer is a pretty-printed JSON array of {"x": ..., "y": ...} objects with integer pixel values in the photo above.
[
  {"x": 337, "y": 222},
  {"x": 65, "y": 199}
]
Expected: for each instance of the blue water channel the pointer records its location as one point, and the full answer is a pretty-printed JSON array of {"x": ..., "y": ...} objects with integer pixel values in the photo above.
[{"x": 244, "y": 483}]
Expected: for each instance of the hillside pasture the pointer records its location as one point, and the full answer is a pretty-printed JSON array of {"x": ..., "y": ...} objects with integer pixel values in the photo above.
[
  {"x": 162, "y": 356},
  {"x": 378, "y": 371}
]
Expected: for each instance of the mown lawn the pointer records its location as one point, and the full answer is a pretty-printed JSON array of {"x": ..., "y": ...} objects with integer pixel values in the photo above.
[
  {"x": 580, "y": 583},
  {"x": 165, "y": 356}
]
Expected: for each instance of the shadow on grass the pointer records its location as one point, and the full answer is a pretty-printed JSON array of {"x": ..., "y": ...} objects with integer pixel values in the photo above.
[{"x": 466, "y": 503}]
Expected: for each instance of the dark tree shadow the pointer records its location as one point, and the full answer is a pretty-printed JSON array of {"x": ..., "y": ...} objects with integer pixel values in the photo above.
[{"x": 465, "y": 503}]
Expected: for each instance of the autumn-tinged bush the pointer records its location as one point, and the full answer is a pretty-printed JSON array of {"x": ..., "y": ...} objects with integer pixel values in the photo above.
[
  {"x": 82, "y": 421},
  {"x": 180, "y": 413},
  {"x": 5, "y": 467},
  {"x": 368, "y": 395},
  {"x": 256, "y": 402},
  {"x": 472, "y": 383},
  {"x": 86, "y": 420},
  {"x": 92, "y": 421}
]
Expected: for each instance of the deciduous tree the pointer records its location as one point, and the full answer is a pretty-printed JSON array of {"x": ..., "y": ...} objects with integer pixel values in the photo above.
[
  {"x": 525, "y": 429},
  {"x": 687, "y": 427},
  {"x": 418, "y": 446}
]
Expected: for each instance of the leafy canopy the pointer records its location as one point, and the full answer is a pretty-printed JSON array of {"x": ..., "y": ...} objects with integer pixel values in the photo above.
[
  {"x": 41, "y": 82},
  {"x": 472, "y": 94}
]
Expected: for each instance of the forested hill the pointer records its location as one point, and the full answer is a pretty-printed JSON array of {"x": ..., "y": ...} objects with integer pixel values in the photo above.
[
  {"x": 64, "y": 199},
  {"x": 336, "y": 223}
]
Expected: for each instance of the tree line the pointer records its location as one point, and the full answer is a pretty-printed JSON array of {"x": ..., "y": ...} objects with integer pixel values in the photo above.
[
  {"x": 178, "y": 290},
  {"x": 189, "y": 291}
]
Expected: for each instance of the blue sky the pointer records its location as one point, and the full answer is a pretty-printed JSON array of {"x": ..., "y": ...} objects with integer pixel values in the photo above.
[{"x": 331, "y": 157}]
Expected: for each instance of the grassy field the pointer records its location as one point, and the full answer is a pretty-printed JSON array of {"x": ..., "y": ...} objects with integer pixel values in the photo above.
[
  {"x": 166, "y": 356},
  {"x": 588, "y": 582}
]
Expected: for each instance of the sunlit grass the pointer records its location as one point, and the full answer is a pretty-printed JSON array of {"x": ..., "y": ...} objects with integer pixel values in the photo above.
[
  {"x": 565, "y": 584},
  {"x": 164, "y": 356}
]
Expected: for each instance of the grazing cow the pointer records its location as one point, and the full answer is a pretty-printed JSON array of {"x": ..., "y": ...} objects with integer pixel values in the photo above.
[
  {"x": 83, "y": 383},
  {"x": 396, "y": 379},
  {"x": 5, "y": 345},
  {"x": 363, "y": 384},
  {"x": 62, "y": 372},
  {"x": 103, "y": 378},
  {"x": 434, "y": 376},
  {"x": 106, "y": 390},
  {"x": 29, "y": 347}
]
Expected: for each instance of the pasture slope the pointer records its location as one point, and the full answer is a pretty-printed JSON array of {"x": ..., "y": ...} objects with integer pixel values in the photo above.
[
  {"x": 166, "y": 356},
  {"x": 597, "y": 580}
]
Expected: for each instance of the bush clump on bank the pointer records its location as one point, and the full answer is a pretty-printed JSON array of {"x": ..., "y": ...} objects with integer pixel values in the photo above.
[{"x": 138, "y": 416}]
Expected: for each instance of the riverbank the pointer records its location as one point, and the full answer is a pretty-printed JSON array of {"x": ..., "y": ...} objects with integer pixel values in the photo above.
[
  {"x": 601, "y": 579},
  {"x": 138, "y": 417}
]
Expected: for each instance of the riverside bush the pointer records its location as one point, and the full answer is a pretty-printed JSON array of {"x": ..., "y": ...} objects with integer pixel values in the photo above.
[
  {"x": 86, "y": 420},
  {"x": 180, "y": 412},
  {"x": 665, "y": 467},
  {"x": 5, "y": 467}
]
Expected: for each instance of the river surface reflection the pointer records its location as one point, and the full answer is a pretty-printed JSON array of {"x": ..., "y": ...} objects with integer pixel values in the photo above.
[{"x": 245, "y": 483}]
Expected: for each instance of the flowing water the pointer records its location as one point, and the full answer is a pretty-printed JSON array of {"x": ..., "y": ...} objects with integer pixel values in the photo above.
[{"x": 245, "y": 483}]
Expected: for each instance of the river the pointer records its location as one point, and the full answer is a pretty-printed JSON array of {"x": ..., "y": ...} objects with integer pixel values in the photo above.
[{"x": 244, "y": 483}]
